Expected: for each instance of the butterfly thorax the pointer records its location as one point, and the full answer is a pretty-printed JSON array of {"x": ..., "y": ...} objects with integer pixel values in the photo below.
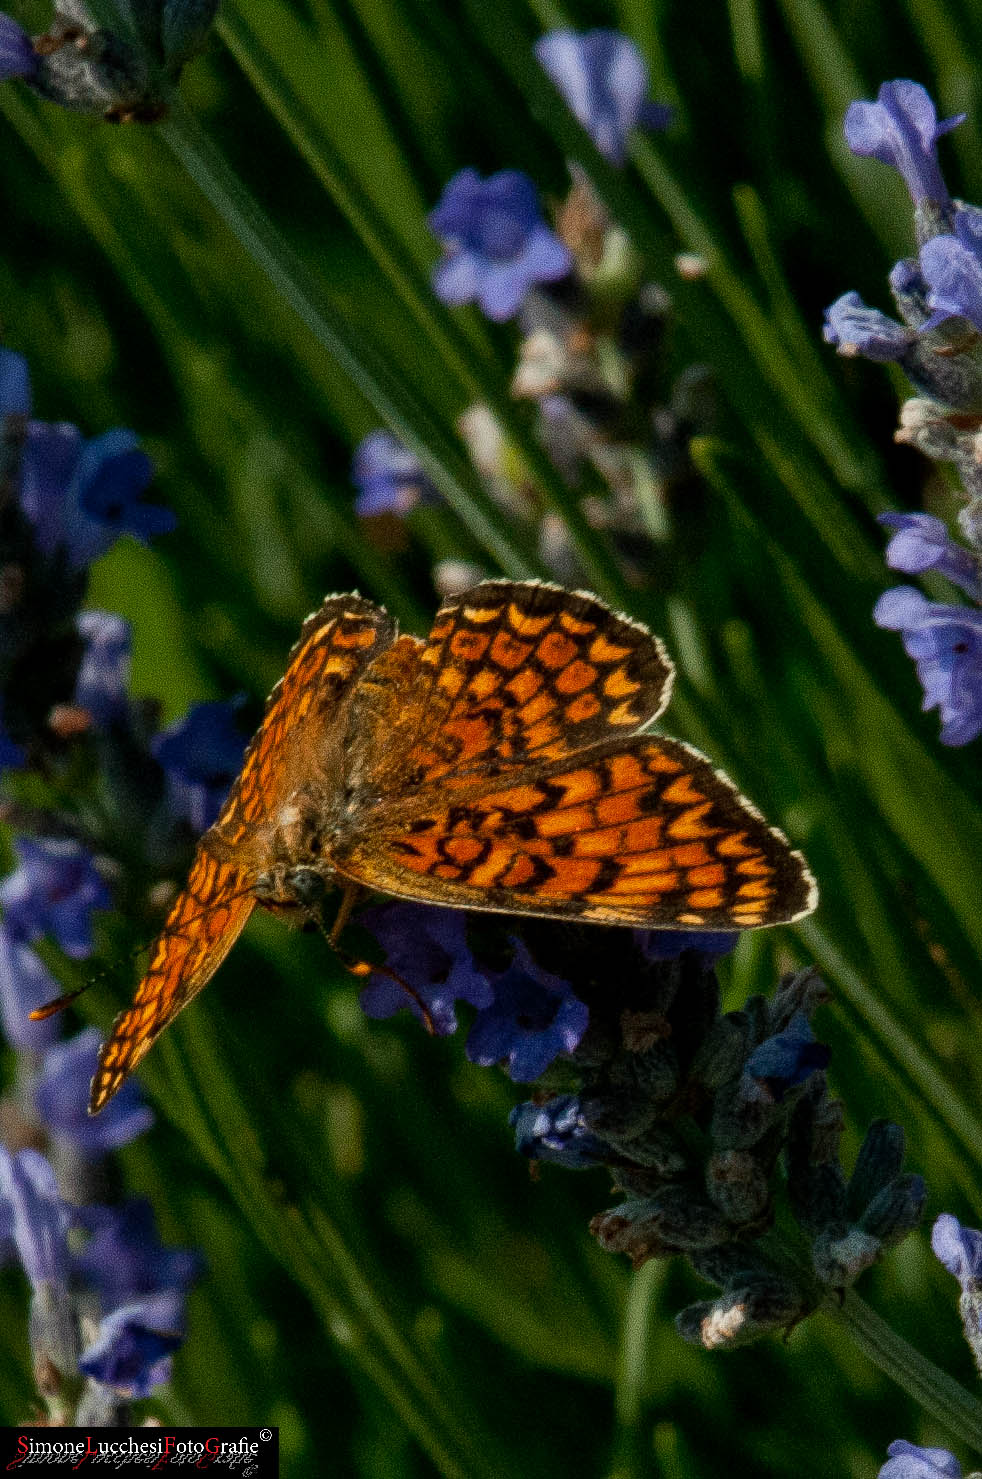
[{"x": 298, "y": 871}]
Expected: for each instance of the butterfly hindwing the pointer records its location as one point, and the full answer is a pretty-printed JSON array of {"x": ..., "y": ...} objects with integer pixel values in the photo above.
[{"x": 643, "y": 831}]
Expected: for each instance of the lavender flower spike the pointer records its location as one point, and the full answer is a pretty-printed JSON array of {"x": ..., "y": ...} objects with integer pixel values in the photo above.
[
  {"x": 946, "y": 645},
  {"x": 53, "y": 891},
  {"x": 132, "y": 1350},
  {"x": 61, "y": 1095},
  {"x": 17, "y": 55},
  {"x": 428, "y": 949},
  {"x": 855, "y": 329},
  {"x": 960, "y": 1250},
  {"x": 390, "y": 479},
  {"x": 901, "y": 128},
  {"x": 498, "y": 247},
  {"x": 534, "y": 1017},
  {"x": 922, "y": 542},
  {"x": 603, "y": 78},
  {"x": 908, "y": 1461},
  {"x": 951, "y": 266}
]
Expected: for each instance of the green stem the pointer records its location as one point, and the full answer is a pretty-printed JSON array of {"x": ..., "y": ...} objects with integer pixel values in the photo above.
[
  {"x": 898, "y": 1045},
  {"x": 478, "y": 379},
  {"x": 632, "y": 1439},
  {"x": 931, "y": 1387},
  {"x": 307, "y": 1245},
  {"x": 410, "y": 419}
]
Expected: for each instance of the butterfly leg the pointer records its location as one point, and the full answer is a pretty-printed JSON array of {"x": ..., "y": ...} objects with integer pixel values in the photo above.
[{"x": 349, "y": 899}]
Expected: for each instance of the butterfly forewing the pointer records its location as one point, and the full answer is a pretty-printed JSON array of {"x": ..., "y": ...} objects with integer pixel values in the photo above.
[
  {"x": 301, "y": 734},
  {"x": 512, "y": 673},
  {"x": 205, "y": 920},
  {"x": 300, "y": 737}
]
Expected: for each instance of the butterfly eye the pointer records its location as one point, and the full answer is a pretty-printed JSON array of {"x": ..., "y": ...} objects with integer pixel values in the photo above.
[{"x": 307, "y": 886}]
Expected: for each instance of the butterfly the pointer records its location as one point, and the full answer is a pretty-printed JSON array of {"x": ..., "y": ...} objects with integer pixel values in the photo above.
[{"x": 499, "y": 764}]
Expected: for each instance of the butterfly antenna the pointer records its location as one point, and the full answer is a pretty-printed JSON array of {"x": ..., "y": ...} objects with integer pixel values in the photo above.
[
  {"x": 40, "y": 1014},
  {"x": 363, "y": 968}
]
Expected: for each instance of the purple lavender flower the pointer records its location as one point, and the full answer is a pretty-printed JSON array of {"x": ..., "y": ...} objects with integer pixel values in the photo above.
[
  {"x": 951, "y": 266},
  {"x": 25, "y": 984},
  {"x": 53, "y": 891},
  {"x": 901, "y": 129},
  {"x": 497, "y": 245},
  {"x": 603, "y": 78},
  {"x": 960, "y": 1250},
  {"x": 855, "y": 329},
  {"x": 15, "y": 379},
  {"x": 17, "y": 55},
  {"x": 788, "y": 1058},
  {"x": 428, "y": 948},
  {"x": 11, "y": 754},
  {"x": 132, "y": 1349},
  {"x": 908, "y": 1461},
  {"x": 201, "y": 755},
  {"x": 389, "y": 478},
  {"x": 80, "y": 496},
  {"x": 923, "y": 543},
  {"x": 61, "y": 1095},
  {"x": 125, "y": 1259},
  {"x": 555, "y": 1131},
  {"x": 946, "y": 645},
  {"x": 39, "y": 1219},
  {"x": 104, "y": 671},
  {"x": 533, "y": 1018},
  {"x": 669, "y": 944}
]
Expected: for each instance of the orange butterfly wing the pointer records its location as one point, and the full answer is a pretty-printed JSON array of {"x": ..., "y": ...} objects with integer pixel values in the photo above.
[
  {"x": 204, "y": 923},
  {"x": 640, "y": 831},
  {"x": 502, "y": 769},
  {"x": 302, "y": 730}
]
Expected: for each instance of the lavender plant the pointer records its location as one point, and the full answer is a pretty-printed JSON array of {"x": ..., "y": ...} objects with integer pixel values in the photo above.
[
  {"x": 124, "y": 72},
  {"x": 938, "y": 295},
  {"x": 959, "y": 1249},
  {"x": 104, "y": 803},
  {"x": 718, "y": 1128}
]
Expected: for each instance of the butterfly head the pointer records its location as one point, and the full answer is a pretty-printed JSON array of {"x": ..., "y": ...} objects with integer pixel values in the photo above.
[{"x": 299, "y": 886}]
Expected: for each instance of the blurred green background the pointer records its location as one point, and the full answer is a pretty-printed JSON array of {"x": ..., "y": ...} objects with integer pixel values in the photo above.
[{"x": 384, "y": 1281}]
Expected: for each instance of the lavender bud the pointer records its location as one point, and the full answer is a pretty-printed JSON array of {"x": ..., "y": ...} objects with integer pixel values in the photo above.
[
  {"x": 101, "y": 1406},
  {"x": 617, "y": 1106},
  {"x": 674, "y": 1220},
  {"x": 738, "y": 1186},
  {"x": 970, "y": 1309},
  {"x": 123, "y": 74},
  {"x": 970, "y": 522},
  {"x": 722, "y": 1053},
  {"x": 880, "y": 1158},
  {"x": 658, "y": 1149},
  {"x": 923, "y": 425},
  {"x": 897, "y": 1209},
  {"x": 801, "y": 992},
  {"x": 839, "y": 1257},
  {"x": 743, "y": 1113},
  {"x": 742, "y": 1315}
]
